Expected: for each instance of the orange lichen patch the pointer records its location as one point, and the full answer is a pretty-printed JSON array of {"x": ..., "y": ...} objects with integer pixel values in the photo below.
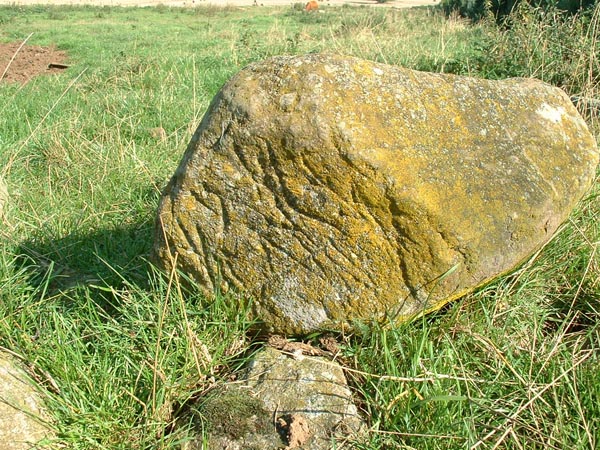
[{"x": 297, "y": 430}]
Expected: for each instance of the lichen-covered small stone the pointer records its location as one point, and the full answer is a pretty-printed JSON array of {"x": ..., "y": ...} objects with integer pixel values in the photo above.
[
  {"x": 333, "y": 189},
  {"x": 282, "y": 401}
]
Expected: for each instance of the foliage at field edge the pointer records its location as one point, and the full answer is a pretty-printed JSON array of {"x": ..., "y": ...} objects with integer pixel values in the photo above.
[{"x": 500, "y": 9}]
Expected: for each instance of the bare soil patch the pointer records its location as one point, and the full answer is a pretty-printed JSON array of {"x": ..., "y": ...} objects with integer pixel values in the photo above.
[{"x": 20, "y": 64}]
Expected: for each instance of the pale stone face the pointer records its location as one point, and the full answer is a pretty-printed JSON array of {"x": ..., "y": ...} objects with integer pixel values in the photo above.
[
  {"x": 310, "y": 395},
  {"x": 334, "y": 189},
  {"x": 21, "y": 413}
]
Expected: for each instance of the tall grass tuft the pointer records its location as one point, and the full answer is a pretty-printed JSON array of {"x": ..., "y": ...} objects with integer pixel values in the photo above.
[{"x": 549, "y": 44}]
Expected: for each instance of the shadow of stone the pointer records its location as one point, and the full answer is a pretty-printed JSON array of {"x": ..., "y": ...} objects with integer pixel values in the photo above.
[
  {"x": 578, "y": 312},
  {"x": 109, "y": 258}
]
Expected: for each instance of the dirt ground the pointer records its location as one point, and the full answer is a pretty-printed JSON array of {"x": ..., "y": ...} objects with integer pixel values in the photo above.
[{"x": 19, "y": 64}]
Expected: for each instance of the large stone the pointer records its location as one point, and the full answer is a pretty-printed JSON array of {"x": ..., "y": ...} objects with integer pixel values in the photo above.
[
  {"x": 332, "y": 189},
  {"x": 22, "y": 417}
]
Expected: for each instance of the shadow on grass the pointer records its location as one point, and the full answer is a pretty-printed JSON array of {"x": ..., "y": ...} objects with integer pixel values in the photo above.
[
  {"x": 577, "y": 311},
  {"x": 108, "y": 258}
]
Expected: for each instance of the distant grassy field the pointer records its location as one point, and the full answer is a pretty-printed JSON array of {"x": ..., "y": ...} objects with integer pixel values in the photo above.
[{"x": 118, "y": 349}]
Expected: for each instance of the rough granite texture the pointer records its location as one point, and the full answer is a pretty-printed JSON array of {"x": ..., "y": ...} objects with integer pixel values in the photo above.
[
  {"x": 307, "y": 389},
  {"x": 21, "y": 411},
  {"x": 333, "y": 189}
]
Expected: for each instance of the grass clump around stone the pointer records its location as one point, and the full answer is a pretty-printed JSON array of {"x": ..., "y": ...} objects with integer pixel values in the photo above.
[{"x": 116, "y": 347}]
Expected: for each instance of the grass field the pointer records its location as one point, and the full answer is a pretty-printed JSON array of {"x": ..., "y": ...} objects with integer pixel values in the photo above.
[{"x": 117, "y": 349}]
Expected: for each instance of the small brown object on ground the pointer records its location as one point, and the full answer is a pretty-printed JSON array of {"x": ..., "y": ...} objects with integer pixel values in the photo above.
[
  {"x": 158, "y": 133},
  {"x": 311, "y": 6},
  {"x": 57, "y": 66},
  {"x": 29, "y": 61},
  {"x": 296, "y": 348},
  {"x": 296, "y": 429},
  {"x": 330, "y": 344}
]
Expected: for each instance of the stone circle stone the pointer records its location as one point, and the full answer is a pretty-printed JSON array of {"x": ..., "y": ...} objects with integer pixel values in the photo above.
[
  {"x": 332, "y": 189},
  {"x": 22, "y": 416},
  {"x": 283, "y": 402}
]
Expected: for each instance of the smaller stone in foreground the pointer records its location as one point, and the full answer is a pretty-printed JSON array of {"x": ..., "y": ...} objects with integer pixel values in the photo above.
[{"x": 284, "y": 402}]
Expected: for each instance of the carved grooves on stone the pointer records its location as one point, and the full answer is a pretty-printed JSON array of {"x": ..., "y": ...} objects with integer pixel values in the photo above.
[
  {"x": 198, "y": 241},
  {"x": 408, "y": 251},
  {"x": 335, "y": 187},
  {"x": 284, "y": 200}
]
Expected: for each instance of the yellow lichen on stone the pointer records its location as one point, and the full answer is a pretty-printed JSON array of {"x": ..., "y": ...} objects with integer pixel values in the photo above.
[{"x": 333, "y": 189}]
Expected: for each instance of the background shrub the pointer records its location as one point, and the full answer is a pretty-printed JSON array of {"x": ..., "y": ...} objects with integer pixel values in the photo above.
[
  {"x": 549, "y": 44},
  {"x": 477, "y": 9}
]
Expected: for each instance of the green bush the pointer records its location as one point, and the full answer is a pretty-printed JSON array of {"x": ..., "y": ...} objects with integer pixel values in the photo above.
[
  {"x": 548, "y": 44},
  {"x": 477, "y": 9},
  {"x": 558, "y": 48}
]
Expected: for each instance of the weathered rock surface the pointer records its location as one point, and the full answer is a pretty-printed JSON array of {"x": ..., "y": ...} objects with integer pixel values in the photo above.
[
  {"x": 332, "y": 189},
  {"x": 283, "y": 402},
  {"x": 21, "y": 411}
]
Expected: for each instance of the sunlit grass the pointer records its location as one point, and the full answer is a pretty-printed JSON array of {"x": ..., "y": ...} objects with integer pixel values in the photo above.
[{"x": 120, "y": 350}]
